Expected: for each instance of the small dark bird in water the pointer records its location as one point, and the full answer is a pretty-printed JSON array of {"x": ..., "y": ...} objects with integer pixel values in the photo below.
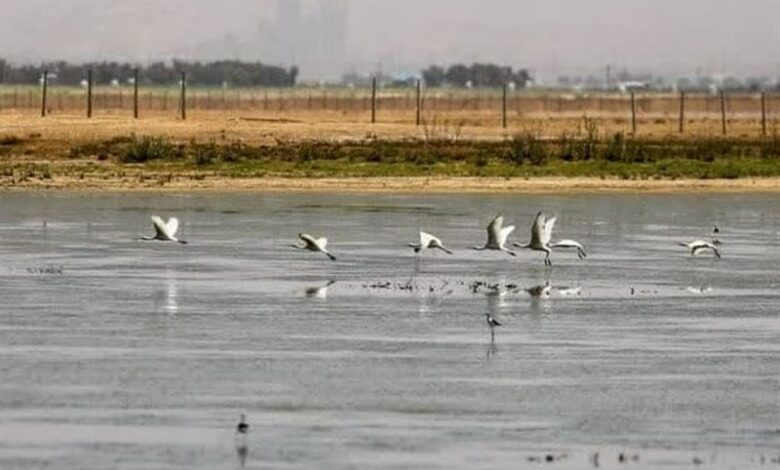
[{"x": 242, "y": 427}]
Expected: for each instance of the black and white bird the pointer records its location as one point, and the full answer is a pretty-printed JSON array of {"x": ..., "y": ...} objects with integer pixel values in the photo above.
[
  {"x": 698, "y": 246},
  {"x": 242, "y": 427},
  {"x": 497, "y": 235},
  {"x": 314, "y": 244},
  {"x": 541, "y": 234},
  {"x": 428, "y": 241},
  {"x": 164, "y": 232},
  {"x": 492, "y": 324}
]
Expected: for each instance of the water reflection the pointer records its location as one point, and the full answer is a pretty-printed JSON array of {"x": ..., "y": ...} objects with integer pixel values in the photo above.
[
  {"x": 698, "y": 290},
  {"x": 318, "y": 292},
  {"x": 242, "y": 449},
  {"x": 165, "y": 299},
  {"x": 540, "y": 292}
]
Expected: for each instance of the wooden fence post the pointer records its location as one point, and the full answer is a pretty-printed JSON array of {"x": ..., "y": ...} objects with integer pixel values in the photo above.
[
  {"x": 503, "y": 107},
  {"x": 89, "y": 93},
  {"x": 682, "y": 112},
  {"x": 373, "y": 100},
  {"x": 135, "y": 93},
  {"x": 633, "y": 113},
  {"x": 43, "y": 93},
  {"x": 419, "y": 102},
  {"x": 723, "y": 111},
  {"x": 763, "y": 113},
  {"x": 183, "y": 96}
]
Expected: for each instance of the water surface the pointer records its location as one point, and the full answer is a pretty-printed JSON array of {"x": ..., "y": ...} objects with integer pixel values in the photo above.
[{"x": 116, "y": 353}]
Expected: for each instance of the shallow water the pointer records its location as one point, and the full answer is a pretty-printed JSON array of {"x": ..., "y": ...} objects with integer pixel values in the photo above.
[{"x": 143, "y": 355}]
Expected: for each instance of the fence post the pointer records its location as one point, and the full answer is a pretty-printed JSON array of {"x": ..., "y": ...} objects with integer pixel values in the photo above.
[
  {"x": 373, "y": 100},
  {"x": 43, "y": 95},
  {"x": 503, "y": 107},
  {"x": 633, "y": 113},
  {"x": 723, "y": 111},
  {"x": 183, "y": 96},
  {"x": 419, "y": 102},
  {"x": 135, "y": 93},
  {"x": 89, "y": 93},
  {"x": 763, "y": 113},
  {"x": 682, "y": 112}
]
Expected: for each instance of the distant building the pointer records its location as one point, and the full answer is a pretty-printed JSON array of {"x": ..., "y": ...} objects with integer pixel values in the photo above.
[{"x": 311, "y": 34}]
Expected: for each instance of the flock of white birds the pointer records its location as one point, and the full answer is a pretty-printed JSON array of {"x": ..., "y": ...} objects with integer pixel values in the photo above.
[{"x": 497, "y": 235}]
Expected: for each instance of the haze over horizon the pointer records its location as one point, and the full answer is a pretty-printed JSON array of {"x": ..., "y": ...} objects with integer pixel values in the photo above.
[{"x": 327, "y": 38}]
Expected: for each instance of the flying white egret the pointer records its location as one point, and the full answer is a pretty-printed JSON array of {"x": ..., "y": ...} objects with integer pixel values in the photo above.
[
  {"x": 429, "y": 241},
  {"x": 164, "y": 232},
  {"x": 314, "y": 244},
  {"x": 697, "y": 246},
  {"x": 541, "y": 234},
  {"x": 496, "y": 236}
]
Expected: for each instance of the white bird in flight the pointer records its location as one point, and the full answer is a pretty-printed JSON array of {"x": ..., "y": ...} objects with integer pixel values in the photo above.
[
  {"x": 429, "y": 241},
  {"x": 541, "y": 234},
  {"x": 496, "y": 236},
  {"x": 697, "y": 246},
  {"x": 164, "y": 232},
  {"x": 314, "y": 244}
]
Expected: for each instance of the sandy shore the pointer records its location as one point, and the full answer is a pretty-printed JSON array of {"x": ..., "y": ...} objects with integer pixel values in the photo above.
[{"x": 441, "y": 185}]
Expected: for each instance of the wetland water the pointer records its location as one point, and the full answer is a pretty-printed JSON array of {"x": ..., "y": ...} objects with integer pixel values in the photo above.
[{"x": 143, "y": 354}]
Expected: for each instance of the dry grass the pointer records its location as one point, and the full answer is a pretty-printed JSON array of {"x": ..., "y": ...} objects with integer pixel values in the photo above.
[
  {"x": 258, "y": 127},
  {"x": 293, "y": 136},
  {"x": 266, "y": 115}
]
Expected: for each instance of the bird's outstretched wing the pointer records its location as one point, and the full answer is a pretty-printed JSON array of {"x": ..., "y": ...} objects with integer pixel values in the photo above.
[
  {"x": 173, "y": 226},
  {"x": 160, "y": 227},
  {"x": 322, "y": 242},
  {"x": 307, "y": 239},
  {"x": 505, "y": 232},
  {"x": 494, "y": 230},
  {"x": 426, "y": 239},
  {"x": 537, "y": 229},
  {"x": 548, "y": 229}
]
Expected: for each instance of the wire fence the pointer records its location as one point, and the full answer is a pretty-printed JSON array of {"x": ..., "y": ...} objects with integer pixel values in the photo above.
[{"x": 507, "y": 106}]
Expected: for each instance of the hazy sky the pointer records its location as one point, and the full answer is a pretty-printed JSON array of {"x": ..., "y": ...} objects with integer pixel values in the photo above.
[{"x": 551, "y": 36}]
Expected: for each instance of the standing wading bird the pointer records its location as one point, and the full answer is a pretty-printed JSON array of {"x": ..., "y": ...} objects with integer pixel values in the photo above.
[
  {"x": 429, "y": 241},
  {"x": 541, "y": 234},
  {"x": 492, "y": 324},
  {"x": 164, "y": 232},
  {"x": 312, "y": 244},
  {"x": 496, "y": 236},
  {"x": 242, "y": 427}
]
